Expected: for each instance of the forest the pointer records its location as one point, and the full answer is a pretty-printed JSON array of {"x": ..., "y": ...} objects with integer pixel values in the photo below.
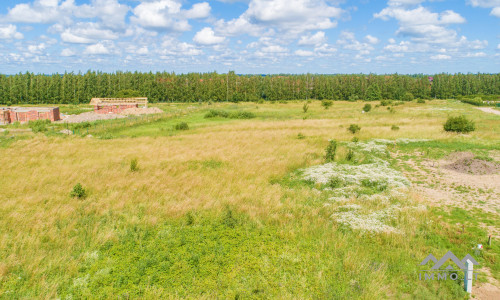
[{"x": 75, "y": 88}]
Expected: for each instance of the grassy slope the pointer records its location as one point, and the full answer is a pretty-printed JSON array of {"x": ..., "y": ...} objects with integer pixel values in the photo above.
[{"x": 246, "y": 236}]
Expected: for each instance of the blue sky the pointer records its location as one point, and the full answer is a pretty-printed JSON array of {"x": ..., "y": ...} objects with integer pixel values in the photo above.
[{"x": 250, "y": 36}]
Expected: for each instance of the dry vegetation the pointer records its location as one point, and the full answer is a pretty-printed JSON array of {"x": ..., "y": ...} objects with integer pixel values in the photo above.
[{"x": 46, "y": 236}]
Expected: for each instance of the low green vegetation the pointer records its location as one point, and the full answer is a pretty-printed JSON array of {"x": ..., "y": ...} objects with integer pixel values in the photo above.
[
  {"x": 459, "y": 124},
  {"x": 78, "y": 192},
  {"x": 181, "y": 126},
  {"x": 354, "y": 128}
]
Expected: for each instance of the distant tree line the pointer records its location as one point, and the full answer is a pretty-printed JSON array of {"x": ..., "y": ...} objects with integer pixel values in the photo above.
[{"x": 67, "y": 88}]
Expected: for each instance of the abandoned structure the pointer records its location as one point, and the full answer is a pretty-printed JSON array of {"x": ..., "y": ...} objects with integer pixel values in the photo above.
[
  {"x": 25, "y": 114},
  {"x": 116, "y": 105}
]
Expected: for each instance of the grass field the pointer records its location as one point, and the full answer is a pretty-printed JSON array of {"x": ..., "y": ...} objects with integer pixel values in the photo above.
[{"x": 223, "y": 210}]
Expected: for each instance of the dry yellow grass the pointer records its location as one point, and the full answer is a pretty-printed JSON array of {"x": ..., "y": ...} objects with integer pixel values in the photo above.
[{"x": 41, "y": 224}]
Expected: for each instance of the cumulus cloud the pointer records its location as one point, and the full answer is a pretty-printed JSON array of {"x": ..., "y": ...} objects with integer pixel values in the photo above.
[
  {"x": 199, "y": 11},
  {"x": 111, "y": 13},
  {"x": 348, "y": 41},
  {"x": 87, "y": 33},
  {"x": 301, "y": 52},
  {"x": 10, "y": 32},
  {"x": 97, "y": 49},
  {"x": 371, "y": 39},
  {"x": 206, "y": 36},
  {"x": 291, "y": 16},
  {"x": 494, "y": 4},
  {"x": 313, "y": 40}
]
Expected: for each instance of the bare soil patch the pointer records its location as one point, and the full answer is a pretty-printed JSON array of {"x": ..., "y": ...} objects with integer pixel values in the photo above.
[
  {"x": 90, "y": 117},
  {"x": 466, "y": 162},
  {"x": 489, "y": 110}
]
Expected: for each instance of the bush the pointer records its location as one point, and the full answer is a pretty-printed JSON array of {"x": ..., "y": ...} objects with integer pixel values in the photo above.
[
  {"x": 394, "y": 127},
  {"x": 305, "y": 108},
  {"x": 242, "y": 115},
  {"x": 478, "y": 101},
  {"x": 421, "y": 101},
  {"x": 350, "y": 155},
  {"x": 459, "y": 124},
  {"x": 385, "y": 102},
  {"x": 213, "y": 113},
  {"x": 354, "y": 128},
  {"x": 182, "y": 126},
  {"x": 326, "y": 104},
  {"x": 38, "y": 125},
  {"x": 355, "y": 139},
  {"x": 353, "y": 98},
  {"x": 283, "y": 101},
  {"x": 331, "y": 149},
  {"x": 408, "y": 97},
  {"x": 134, "y": 165},
  {"x": 300, "y": 136},
  {"x": 367, "y": 107},
  {"x": 78, "y": 192}
]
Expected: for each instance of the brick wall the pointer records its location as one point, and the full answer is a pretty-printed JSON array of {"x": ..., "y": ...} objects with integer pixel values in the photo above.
[
  {"x": 32, "y": 115},
  {"x": 4, "y": 117},
  {"x": 113, "y": 109}
]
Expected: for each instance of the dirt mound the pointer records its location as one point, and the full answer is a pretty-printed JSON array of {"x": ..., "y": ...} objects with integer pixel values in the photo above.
[
  {"x": 467, "y": 162},
  {"x": 141, "y": 111}
]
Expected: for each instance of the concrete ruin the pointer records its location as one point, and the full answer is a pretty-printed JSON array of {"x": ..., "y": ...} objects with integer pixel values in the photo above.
[
  {"x": 25, "y": 114},
  {"x": 116, "y": 105}
]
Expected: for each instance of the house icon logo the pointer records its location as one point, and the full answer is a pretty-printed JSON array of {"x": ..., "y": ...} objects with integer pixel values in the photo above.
[
  {"x": 439, "y": 273},
  {"x": 448, "y": 256}
]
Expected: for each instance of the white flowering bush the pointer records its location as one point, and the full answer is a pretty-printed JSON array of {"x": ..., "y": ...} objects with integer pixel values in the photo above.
[{"x": 373, "y": 222}]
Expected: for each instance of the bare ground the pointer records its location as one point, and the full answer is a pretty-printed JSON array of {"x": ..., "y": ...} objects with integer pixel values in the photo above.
[
  {"x": 489, "y": 110},
  {"x": 462, "y": 180}
]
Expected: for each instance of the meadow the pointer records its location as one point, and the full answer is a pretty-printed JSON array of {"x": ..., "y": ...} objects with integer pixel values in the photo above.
[{"x": 240, "y": 208}]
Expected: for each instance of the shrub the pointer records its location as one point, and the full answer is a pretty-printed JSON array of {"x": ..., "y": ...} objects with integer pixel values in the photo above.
[
  {"x": 38, "y": 125},
  {"x": 182, "y": 126},
  {"x": 394, "y": 127},
  {"x": 367, "y": 107},
  {"x": 355, "y": 139},
  {"x": 242, "y": 115},
  {"x": 408, "y": 96},
  {"x": 353, "y": 98},
  {"x": 134, "y": 165},
  {"x": 478, "y": 101},
  {"x": 283, "y": 101},
  {"x": 305, "y": 108},
  {"x": 336, "y": 182},
  {"x": 459, "y": 124},
  {"x": 261, "y": 101},
  {"x": 326, "y": 104},
  {"x": 300, "y": 136},
  {"x": 213, "y": 113},
  {"x": 385, "y": 102},
  {"x": 354, "y": 128},
  {"x": 78, "y": 192},
  {"x": 189, "y": 219},
  {"x": 420, "y": 101},
  {"x": 331, "y": 149}
]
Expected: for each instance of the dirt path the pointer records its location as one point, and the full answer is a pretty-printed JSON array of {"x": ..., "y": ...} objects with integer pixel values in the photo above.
[{"x": 489, "y": 110}]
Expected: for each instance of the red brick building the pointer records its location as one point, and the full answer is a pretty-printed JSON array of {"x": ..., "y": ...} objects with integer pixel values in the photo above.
[
  {"x": 116, "y": 105},
  {"x": 25, "y": 114}
]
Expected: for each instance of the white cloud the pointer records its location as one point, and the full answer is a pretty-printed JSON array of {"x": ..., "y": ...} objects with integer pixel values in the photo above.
[
  {"x": 36, "y": 49},
  {"x": 96, "y": 49},
  {"x": 87, "y": 33},
  {"x": 495, "y": 12},
  {"x": 10, "y": 32},
  {"x": 493, "y": 4},
  {"x": 206, "y": 36},
  {"x": 313, "y": 40},
  {"x": 304, "y": 53},
  {"x": 111, "y": 13},
  {"x": 291, "y": 16},
  {"x": 172, "y": 47},
  {"x": 199, "y": 11},
  {"x": 371, "y": 39},
  {"x": 41, "y": 11},
  {"x": 441, "y": 57},
  {"x": 348, "y": 41},
  {"x": 477, "y": 54},
  {"x": 274, "y": 49},
  {"x": 160, "y": 14},
  {"x": 67, "y": 52}
]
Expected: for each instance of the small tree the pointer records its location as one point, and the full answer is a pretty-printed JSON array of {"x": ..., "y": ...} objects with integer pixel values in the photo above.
[
  {"x": 326, "y": 104},
  {"x": 305, "y": 108},
  {"x": 182, "y": 126},
  {"x": 459, "y": 124},
  {"x": 354, "y": 128},
  {"x": 78, "y": 192},
  {"x": 408, "y": 97},
  {"x": 367, "y": 107},
  {"x": 331, "y": 149}
]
